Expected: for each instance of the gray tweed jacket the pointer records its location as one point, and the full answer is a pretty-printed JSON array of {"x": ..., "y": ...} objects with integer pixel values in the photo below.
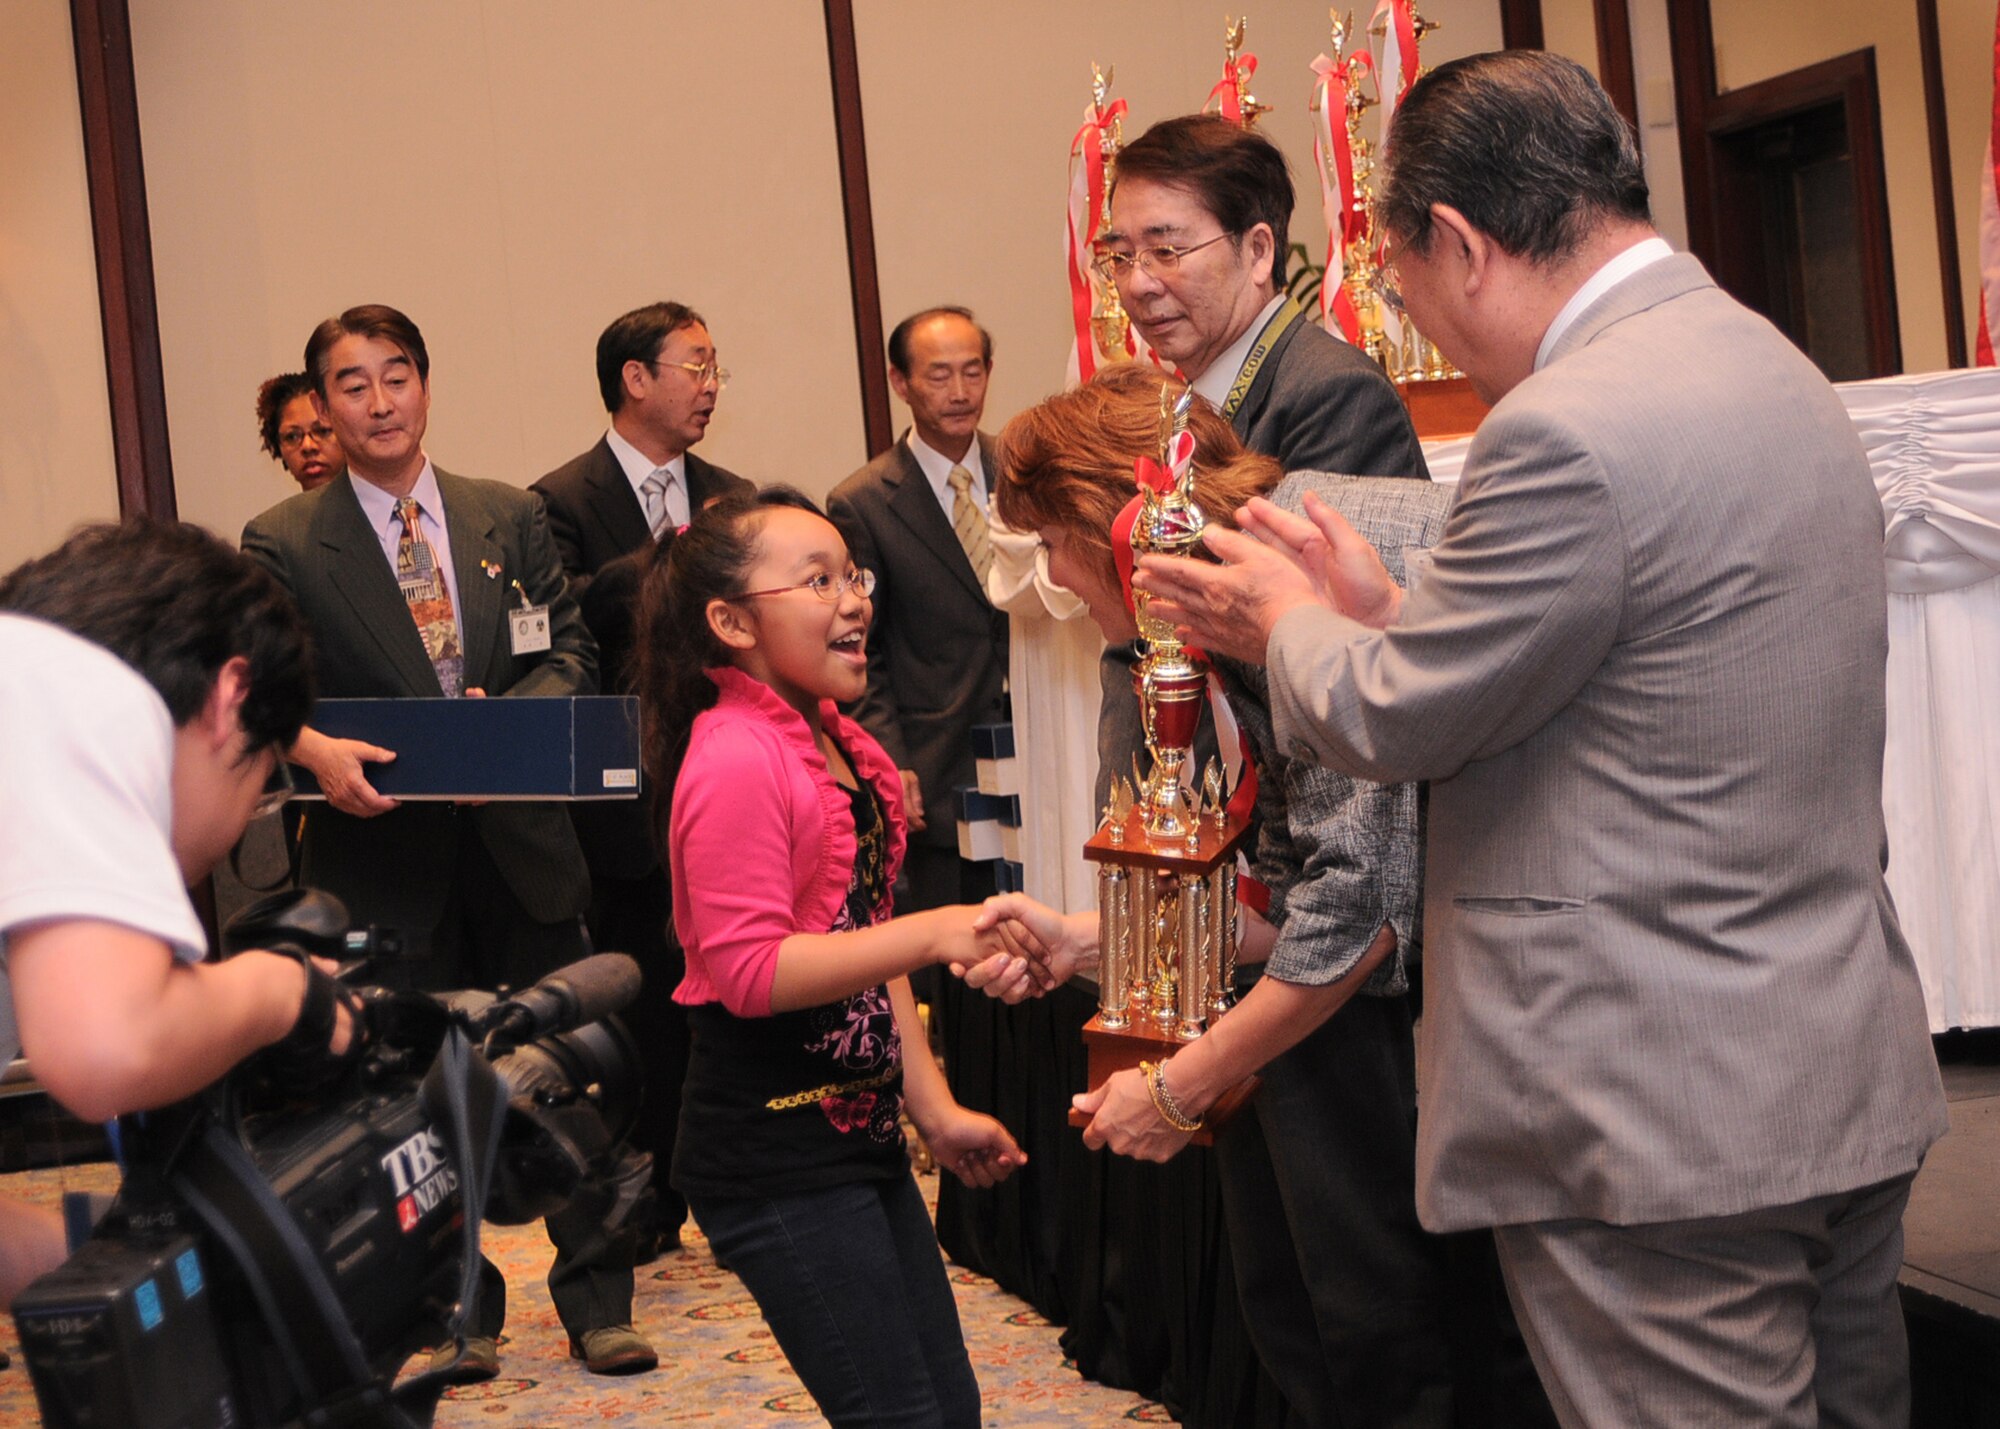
[{"x": 1341, "y": 856}]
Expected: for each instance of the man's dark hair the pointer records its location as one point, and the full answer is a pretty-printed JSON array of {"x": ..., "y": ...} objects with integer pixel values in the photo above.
[
  {"x": 273, "y": 397},
  {"x": 1524, "y": 143},
  {"x": 376, "y": 320},
  {"x": 176, "y": 604},
  {"x": 637, "y": 337},
  {"x": 899, "y": 339},
  {"x": 1235, "y": 173}
]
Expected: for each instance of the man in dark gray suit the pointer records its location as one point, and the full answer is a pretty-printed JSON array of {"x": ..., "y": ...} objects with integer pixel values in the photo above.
[
  {"x": 608, "y": 509},
  {"x": 405, "y": 574},
  {"x": 937, "y": 650},
  {"x": 1675, "y": 1048},
  {"x": 1201, "y": 213}
]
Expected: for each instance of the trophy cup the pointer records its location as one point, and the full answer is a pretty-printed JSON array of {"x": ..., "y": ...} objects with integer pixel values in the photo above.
[{"x": 1165, "y": 851}]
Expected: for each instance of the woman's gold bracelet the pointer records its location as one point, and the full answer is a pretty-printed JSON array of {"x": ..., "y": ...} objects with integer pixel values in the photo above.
[{"x": 1163, "y": 1100}]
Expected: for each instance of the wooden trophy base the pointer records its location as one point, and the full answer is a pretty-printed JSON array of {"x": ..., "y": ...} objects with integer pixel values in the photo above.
[
  {"x": 1121, "y": 1049},
  {"x": 1442, "y": 406}
]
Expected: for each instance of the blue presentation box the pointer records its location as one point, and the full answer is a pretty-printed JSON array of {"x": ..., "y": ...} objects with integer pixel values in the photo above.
[{"x": 584, "y": 747}]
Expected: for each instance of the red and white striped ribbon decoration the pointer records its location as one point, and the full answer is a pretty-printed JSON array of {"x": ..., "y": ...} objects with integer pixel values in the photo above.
[
  {"x": 1335, "y": 163},
  {"x": 1395, "y": 72},
  {"x": 1227, "y": 96},
  {"x": 1086, "y": 212}
]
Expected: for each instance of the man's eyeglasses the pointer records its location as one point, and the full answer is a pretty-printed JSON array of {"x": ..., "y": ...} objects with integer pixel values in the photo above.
[
  {"x": 828, "y": 588},
  {"x": 292, "y": 438},
  {"x": 1160, "y": 258},
  {"x": 278, "y": 788},
  {"x": 701, "y": 372},
  {"x": 1383, "y": 282}
]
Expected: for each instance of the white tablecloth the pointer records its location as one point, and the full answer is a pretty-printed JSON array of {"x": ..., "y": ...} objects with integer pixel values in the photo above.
[{"x": 1934, "y": 443}]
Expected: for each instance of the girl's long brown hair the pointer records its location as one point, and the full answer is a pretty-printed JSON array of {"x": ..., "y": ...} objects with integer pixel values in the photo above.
[
  {"x": 707, "y": 560},
  {"x": 1067, "y": 462}
]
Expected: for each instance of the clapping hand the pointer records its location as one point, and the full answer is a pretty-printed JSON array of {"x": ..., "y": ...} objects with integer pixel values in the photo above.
[{"x": 1275, "y": 563}]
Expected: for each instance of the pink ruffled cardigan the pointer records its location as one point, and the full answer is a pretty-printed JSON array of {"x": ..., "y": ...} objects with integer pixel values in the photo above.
[{"x": 762, "y": 840}]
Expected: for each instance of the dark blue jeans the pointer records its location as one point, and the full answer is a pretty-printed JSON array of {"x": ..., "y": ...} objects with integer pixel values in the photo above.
[{"x": 851, "y": 1282}]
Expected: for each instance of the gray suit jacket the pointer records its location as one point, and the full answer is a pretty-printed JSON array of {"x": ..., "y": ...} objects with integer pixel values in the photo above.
[
  {"x": 1320, "y": 404},
  {"x": 1645, "y": 677},
  {"x": 937, "y": 652},
  {"x": 398, "y": 869}
]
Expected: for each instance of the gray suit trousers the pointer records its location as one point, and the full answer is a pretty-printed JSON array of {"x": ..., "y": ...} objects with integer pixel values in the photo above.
[{"x": 1785, "y": 1318}]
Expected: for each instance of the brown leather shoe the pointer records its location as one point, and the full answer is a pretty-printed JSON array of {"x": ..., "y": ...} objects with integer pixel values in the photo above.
[
  {"x": 480, "y": 1359},
  {"x": 614, "y": 1349}
]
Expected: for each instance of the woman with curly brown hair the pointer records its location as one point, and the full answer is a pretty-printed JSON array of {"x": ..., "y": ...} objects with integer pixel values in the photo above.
[{"x": 294, "y": 432}]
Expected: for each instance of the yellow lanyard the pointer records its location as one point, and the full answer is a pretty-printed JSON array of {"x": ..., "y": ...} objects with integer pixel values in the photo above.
[{"x": 1288, "y": 313}]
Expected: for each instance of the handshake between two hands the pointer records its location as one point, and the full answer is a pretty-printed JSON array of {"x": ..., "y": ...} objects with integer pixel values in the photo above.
[{"x": 1020, "y": 948}]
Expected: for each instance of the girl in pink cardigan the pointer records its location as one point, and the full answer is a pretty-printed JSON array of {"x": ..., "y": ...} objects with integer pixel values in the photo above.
[{"x": 784, "y": 836}]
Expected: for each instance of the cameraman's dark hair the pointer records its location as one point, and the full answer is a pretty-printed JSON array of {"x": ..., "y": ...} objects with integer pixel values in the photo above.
[
  {"x": 899, "y": 337},
  {"x": 176, "y": 604},
  {"x": 706, "y": 560},
  {"x": 276, "y": 394},
  {"x": 637, "y": 337},
  {"x": 1236, "y": 174},
  {"x": 376, "y": 320},
  {"x": 1524, "y": 143}
]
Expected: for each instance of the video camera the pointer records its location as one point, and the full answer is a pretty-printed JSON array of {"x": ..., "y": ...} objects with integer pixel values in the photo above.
[{"x": 272, "y": 1258}]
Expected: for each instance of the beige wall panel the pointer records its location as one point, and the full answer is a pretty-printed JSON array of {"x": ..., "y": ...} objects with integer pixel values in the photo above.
[
  {"x": 56, "y": 466},
  {"x": 1569, "y": 27},
  {"x": 969, "y": 116},
  {"x": 513, "y": 175},
  {"x": 1758, "y": 39},
  {"x": 1965, "y": 43}
]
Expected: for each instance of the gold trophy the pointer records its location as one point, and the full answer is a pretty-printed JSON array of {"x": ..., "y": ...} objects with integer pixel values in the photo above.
[{"x": 1165, "y": 851}]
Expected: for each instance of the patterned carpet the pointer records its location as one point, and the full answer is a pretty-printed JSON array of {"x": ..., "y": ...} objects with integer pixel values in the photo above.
[{"x": 719, "y": 1365}]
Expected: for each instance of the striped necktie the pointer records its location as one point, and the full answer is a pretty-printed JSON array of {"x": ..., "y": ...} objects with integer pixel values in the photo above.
[
  {"x": 968, "y": 522},
  {"x": 654, "y": 489}
]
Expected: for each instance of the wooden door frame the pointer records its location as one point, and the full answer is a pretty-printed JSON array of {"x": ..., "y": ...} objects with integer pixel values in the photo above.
[{"x": 1521, "y": 29}]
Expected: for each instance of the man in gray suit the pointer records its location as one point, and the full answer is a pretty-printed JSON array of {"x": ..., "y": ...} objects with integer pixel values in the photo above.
[
  {"x": 1675, "y": 1047},
  {"x": 937, "y": 650}
]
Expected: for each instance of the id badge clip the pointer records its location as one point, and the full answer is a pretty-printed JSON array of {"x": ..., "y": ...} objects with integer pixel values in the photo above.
[{"x": 527, "y": 625}]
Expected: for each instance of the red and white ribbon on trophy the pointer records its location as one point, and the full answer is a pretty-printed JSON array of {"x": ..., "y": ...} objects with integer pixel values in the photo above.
[
  {"x": 1227, "y": 96},
  {"x": 1334, "y": 160},
  {"x": 1394, "y": 75},
  {"x": 1086, "y": 212}
]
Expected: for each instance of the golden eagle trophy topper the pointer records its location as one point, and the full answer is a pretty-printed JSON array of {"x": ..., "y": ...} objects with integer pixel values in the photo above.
[{"x": 1165, "y": 851}]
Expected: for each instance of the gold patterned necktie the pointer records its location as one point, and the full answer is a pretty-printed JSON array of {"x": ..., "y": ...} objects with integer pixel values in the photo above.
[
  {"x": 969, "y": 523},
  {"x": 422, "y": 583}
]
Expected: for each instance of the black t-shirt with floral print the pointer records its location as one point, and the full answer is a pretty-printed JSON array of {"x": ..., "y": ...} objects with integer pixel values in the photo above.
[{"x": 804, "y": 1099}]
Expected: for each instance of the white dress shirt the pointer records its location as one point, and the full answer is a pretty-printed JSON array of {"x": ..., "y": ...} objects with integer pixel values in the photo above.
[
  {"x": 380, "y": 509},
  {"x": 1640, "y": 255},
  {"x": 638, "y": 466},
  {"x": 1220, "y": 375},
  {"x": 937, "y": 471}
]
